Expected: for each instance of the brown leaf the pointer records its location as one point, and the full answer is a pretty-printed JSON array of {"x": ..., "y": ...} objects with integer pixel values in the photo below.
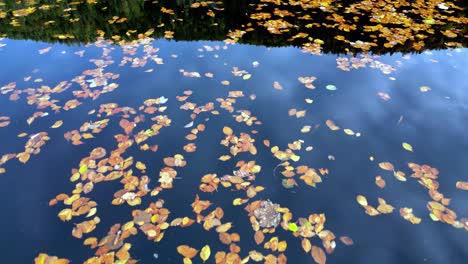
[
  {"x": 346, "y": 240},
  {"x": 259, "y": 237},
  {"x": 319, "y": 255}
]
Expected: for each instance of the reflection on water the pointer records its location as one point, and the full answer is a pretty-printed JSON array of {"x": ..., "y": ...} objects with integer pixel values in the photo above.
[{"x": 137, "y": 148}]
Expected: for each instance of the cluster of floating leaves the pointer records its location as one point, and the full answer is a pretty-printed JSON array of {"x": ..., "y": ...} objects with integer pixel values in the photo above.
[{"x": 427, "y": 177}]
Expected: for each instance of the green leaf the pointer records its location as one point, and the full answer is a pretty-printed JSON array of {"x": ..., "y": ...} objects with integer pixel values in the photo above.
[
  {"x": 293, "y": 227},
  {"x": 149, "y": 132},
  {"x": 83, "y": 169}
]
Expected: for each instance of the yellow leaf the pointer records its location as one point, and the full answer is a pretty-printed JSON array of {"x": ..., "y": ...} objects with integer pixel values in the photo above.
[
  {"x": 274, "y": 149},
  {"x": 224, "y": 157},
  {"x": 57, "y": 124},
  {"x": 386, "y": 166},
  {"x": 306, "y": 245},
  {"x": 256, "y": 256},
  {"x": 282, "y": 246},
  {"x": 92, "y": 212},
  {"x": 239, "y": 201},
  {"x": 424, "y": 89},
  {"x": 140, "y": 165},
  {"x": 227, "y": 131},
  {"x": 305, "y": 129},
  {"x": 400, "y": 175},
  {"x": 205, "y": 253},
  {"x": 331, "y": 125},
  {"x": 295, "y": 158},
  {"x": 407, "y": 146},
  {"x": 349, "y": 132},
  {"x": 75, "y": 177},
  {"x": 361, "y": 200},
  {"x": 224, "y": 228}
]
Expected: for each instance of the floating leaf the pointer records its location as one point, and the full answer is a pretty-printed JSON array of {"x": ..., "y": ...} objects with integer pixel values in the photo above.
[
  {"x": 384, "y": 96},
  {"x": 386, "y": 166},
  {"x": 277, "y": 86},
  {"x": 306, "y": 245},
  {"x": 57, "y": 124},
  {"x": 288, "y": 183},
  {"x": 361, "y": 200},
  {"x": 46, "y": 259},
  {"x": 407, "y": 146},
  {"x": 205, "y": 253},
  {"x": 259, "y": 237},
  {"x": 462, "y": 185},
  {"x": 379, "y": 181},
  {"x": 186, "y": 251},
  {"x": 227, "y": 131},
  {"x": 399, "y": 175},
  {"x": 224, "y": 157},
  {"x": 318, "y": 255},
  {"x": 189, "y": 125},
  {"x": 331, "y": 87},
  {"x": 83, "y": 169},
  {"x": 331, "y": 125},
  {"x": 293, "y": 227},
  {"x": 346, "y": 240},
  {"x": 424, "y": 89}
]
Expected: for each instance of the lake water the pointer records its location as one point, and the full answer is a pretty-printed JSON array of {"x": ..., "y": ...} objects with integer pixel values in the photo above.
[{"x": 414, "y": 97}]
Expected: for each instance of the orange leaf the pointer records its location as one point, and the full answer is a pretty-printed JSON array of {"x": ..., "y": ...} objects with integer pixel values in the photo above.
[{"x": 186, "y": 251}]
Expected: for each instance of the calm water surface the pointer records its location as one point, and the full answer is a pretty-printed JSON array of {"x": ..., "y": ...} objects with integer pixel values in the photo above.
[{"x": 433, "y": 122}]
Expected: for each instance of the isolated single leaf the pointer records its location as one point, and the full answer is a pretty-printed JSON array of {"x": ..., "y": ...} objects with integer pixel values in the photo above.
[
  {"x": 330, "y": 87},
  {"x": 227, "y": 131},
  {"x": 361, "y": 200},
  {"x": 57, "y": 124},
  {"x": 424, "y": 89},
  {"x": 346, "y": 240},
  {"x": 407, "y": 146},
  {"x": 331, "y": 125},
  {"x": 462, "y": 185},
  {"x": 205, "y": 253}
]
